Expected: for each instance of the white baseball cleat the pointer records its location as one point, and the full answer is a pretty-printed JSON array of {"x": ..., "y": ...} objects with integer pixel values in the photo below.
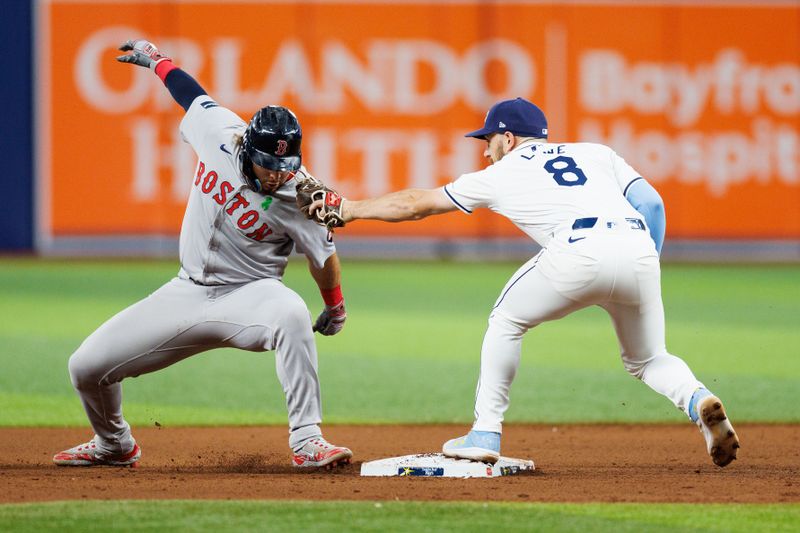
[
  {"x": 318, "y": 452},
  {"x": 721, "y": 439},
  {"x": 89, "y": 455}
]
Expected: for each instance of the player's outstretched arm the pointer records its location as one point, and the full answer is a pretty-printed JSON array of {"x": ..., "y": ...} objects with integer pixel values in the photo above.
[
  {"x": 645, "y": 199},
  {"x": 328, "y": 278},
  {"x": 325, "y": 206},
  {"x": 183, "y": 88},
  {"x": 408, "y": 204}
]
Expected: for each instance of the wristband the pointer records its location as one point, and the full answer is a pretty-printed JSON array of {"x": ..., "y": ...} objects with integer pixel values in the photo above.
[
  {"x": 163, "y": 68},
  {"x": 333, "y": 296}
]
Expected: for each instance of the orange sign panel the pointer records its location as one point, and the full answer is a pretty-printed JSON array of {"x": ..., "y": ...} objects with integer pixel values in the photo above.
[{"x": 703, "y": 101}]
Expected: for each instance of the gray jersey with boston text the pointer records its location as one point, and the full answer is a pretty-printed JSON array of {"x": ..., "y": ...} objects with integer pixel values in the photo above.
[{"x": 231, "y": 234}]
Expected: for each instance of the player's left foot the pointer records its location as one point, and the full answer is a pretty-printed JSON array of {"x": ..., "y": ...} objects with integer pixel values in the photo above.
[
  {"x": 721, "y": 439},
  {"x": 318, "y": 452},
  {"x": 476, "y": 446},
  {"x": 89, "y": 454}
]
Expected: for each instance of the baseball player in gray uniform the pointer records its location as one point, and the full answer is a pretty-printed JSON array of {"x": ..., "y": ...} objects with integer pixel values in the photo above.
[
  {"x": 240, "y": 226},
  {"x": 601, "y": 226}
]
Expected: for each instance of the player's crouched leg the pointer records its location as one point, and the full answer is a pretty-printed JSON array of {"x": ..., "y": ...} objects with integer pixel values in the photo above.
[
  {"x": 296, "y": 363},
  {"x": 113, "y": 443},
  {"x": 500, "y": 357}
]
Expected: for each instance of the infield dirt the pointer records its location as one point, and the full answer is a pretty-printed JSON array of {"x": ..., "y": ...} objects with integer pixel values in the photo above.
[{"x": 574, "y": 463}]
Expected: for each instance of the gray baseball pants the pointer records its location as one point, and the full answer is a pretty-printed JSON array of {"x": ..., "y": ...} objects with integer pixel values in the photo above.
[{"x": 181, "y": 319}]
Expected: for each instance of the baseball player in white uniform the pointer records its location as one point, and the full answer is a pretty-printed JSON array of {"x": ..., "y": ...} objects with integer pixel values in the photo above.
[
  {"x": 240, "y": 226},
  {"x": 601, "y": 227}
]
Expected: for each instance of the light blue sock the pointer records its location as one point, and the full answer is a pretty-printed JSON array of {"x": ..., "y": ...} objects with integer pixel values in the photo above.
[{"x": 698, "y": 395}]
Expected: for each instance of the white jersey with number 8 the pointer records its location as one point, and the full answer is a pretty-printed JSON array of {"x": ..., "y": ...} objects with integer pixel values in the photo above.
[{"x": 542, "y": 186}]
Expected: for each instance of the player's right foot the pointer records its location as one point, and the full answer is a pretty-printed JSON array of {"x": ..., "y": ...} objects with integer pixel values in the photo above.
[
  {"x": 318, "y": 452},
  {"x": 89, "y": 455},
  {"x": 476, "y": 446},
  {"x": 721, "y": 439}
]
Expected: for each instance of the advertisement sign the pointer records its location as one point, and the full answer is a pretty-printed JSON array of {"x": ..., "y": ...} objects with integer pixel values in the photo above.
[{"x": 704, "y": 101}]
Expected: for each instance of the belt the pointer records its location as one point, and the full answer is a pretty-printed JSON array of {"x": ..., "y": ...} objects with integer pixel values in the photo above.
[
  {"x": 588, "y": 223},
  {"x": 201, "y": 284}
]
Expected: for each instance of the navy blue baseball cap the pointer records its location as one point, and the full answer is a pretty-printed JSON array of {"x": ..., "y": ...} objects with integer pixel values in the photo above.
[{"x": 518, "y": 116}]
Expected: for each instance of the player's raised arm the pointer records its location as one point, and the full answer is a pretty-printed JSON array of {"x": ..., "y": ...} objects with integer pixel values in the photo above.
[{"x": 183, "y": 88}]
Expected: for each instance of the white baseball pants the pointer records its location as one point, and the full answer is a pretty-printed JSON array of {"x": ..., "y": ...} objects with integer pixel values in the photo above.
[
  {"x": 611, "y": 265},
  {"x": 181, "y": 319}
]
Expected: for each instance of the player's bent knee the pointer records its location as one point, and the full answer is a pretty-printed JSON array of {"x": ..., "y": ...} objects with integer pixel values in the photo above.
[
  {"x": 635, "y": 369},
  {"x": 501, "y": 321},
  {"x": 84, "y": 370},
  {"x": 638, "y": 366},
  {"x": 295, "y": 319}
]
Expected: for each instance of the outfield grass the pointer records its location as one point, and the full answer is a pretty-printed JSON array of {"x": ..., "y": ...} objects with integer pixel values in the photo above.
[
  {"x": 410, "y": 350},
  {"x": 393, "y": 516}
]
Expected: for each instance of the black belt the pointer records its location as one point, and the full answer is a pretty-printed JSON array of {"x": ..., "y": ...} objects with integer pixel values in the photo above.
[
  {"x": 205, "y": 284},
  {"x": 587, "y": 223}
]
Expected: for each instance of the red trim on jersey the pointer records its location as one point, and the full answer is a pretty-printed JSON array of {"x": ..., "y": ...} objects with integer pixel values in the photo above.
[
  {"x": 332, "y": 296},
  {"x": 163, "y": 68}
]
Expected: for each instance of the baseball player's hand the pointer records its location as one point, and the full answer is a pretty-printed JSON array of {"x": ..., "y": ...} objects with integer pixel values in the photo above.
[
  {"x": 331, "y": 320},
  {"x": 320, "y": 203},
  {"x": 143, "y": 53}
]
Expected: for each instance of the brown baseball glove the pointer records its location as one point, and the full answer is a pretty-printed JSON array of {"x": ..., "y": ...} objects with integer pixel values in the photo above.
[{"x": 310, "y": 190}]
